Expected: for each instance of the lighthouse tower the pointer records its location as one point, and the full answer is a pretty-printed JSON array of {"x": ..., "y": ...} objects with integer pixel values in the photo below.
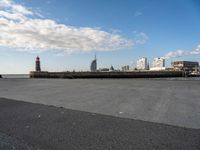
[{"x": 37, "y": 64}]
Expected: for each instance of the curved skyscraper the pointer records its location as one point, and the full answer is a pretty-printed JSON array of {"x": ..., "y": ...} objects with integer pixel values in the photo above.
[{"x": 93, "y": 66}]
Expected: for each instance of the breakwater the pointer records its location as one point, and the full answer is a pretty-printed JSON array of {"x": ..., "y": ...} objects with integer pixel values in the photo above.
[{"x": 131, "y": 74}]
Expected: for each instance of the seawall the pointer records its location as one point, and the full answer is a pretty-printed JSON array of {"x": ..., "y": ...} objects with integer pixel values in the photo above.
[{"x": 131, "y": 74}]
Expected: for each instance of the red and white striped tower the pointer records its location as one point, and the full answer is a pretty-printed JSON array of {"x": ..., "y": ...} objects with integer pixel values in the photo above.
[{"x": 37, "y": 64}]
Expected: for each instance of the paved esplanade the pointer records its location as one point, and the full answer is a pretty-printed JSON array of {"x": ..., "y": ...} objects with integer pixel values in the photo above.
[
  {"x": 28, "y": 126},
  {"x": 163, "y": 101}
]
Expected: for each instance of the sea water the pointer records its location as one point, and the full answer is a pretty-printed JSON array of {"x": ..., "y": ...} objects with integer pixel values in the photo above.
[{"x": 17, "y": 76}]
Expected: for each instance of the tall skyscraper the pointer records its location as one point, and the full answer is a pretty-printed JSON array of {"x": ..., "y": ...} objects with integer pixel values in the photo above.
[
  {"x": 37, "y": 64},
  {"x": 93, "y": 66}
]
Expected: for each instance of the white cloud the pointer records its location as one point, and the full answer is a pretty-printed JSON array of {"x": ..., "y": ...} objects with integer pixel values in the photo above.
[
  {"x": 180, "y": 53},
  {"x": 13, "y": 12},
  {"x": 140, "y": 37},
  {"x": 21, "y": 28},
  {"x": 5, "y": 3},
  {"x": 21, "y": 10}
]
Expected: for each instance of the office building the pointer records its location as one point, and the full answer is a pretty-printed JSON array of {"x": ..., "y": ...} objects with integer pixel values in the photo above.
[{"x": 188, "y": 66}]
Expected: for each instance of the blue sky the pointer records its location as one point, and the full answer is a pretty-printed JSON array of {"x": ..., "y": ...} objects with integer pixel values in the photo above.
[{"x": 119, "y": 32}]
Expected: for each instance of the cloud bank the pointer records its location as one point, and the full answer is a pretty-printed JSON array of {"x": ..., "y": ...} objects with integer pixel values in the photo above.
[
  {"x": 180, "y": 53},
  {"x": 23, "y": 29}
]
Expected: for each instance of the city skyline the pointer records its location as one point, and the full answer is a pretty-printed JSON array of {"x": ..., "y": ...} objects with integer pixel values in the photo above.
[{"x": 66, "y": 35}]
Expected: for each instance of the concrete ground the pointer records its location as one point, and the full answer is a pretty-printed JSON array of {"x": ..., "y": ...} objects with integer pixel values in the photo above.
[
  {"x": 28, "y": 126},
  {"x": 173, "y": 102}
]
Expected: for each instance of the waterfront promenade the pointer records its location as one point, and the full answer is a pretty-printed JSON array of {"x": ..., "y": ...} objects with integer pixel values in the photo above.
[
  {"x": 154, "y": 113},
  {"x": 28, "y": 126},
  {"x": 165, "y": 101}
]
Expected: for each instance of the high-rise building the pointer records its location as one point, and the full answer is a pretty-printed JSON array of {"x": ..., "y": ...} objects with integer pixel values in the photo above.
[
  {"x": 158, "y": 64},
  {"x": 125, "y": 68},
  {"x": 93, "y": 66},
  {"x": 37, "y": 64},
  {"x": 142, "y": 64}
]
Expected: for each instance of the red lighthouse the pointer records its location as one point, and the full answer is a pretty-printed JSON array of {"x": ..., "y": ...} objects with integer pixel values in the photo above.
[{"x": 37, "y": 64}]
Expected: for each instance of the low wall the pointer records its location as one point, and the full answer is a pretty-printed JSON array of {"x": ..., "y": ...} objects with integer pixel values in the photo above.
[{"x": 133, "y": 74}]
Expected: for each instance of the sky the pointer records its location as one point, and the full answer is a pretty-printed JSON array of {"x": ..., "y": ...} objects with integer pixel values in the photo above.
[{"x": 66, "y": 34}]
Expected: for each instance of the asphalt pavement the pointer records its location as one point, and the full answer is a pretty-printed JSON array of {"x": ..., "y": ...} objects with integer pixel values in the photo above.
[
  {"x": 170, "y": 101},
  {"x": 29, "y": 126}
]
